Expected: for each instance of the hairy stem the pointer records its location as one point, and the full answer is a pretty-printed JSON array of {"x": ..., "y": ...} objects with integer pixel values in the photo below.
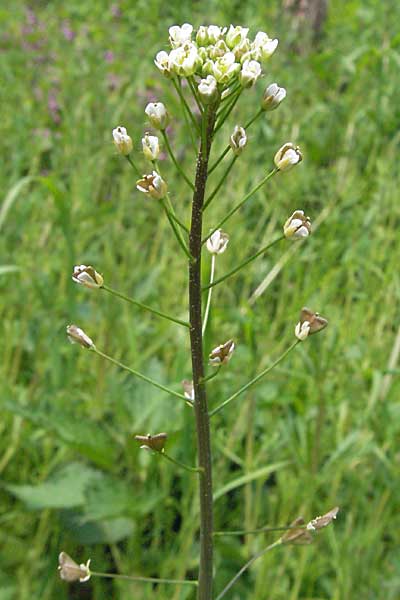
[{"x": 196, "y": 343}]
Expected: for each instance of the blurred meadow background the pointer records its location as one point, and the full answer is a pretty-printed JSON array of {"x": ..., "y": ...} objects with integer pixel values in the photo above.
[{"x": 321, "y": 430}]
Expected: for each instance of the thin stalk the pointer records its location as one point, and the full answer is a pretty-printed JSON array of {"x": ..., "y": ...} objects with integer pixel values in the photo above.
[
  {"x": 253, "y": 381},
  {"x": 175, "y": 230},
  {"x": 246, "y": 566},
  {"x": 195, "y": 94},
  {"x": 228, "y": 111},
  {"x": 144, "y": 306},
  {"x": 173, "y": 158},
  {"x": 207, "y": 311},
  {"x": 185, "y": 104},
  {"x": 212, "y": 375},
  {"x": 181, "y": 465},
  {"x": 144, "y": 579},
  {"x": 229, "y": 96},
  {"x": 236, "y": 208},
  {"x": 178, "y": 222},
  {"x": 215, "y": 192},
  {"x": 244, "y": 263},
  {"x": 196, "y": 346},
  {"x": 130, "y": 161},
  {"x": 261, "y": 530},
  {"x": 138, "y": 374},
  {"x": 225, "y": 152}
]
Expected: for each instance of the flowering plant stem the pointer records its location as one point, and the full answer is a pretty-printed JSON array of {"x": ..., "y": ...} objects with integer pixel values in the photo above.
[
  {"x": 207, "y": 311},
  {"x": 138, "y": 374},
  {"x": 172, "y": 155},
  {"x": 244, "y": 263},
  {"x": 181, "y": 465},
  {"x": 144, "y": 579},
  {"x": 196, "y": 343},
  {"x": 236, "y": 208},
  {"x": 171, "y": 218},
  {"x": 130, "y": 161},
  {"x": 182, "y": 98},
  {"x": 261, "y": 530},
  {"x": 253, "y": 381},
  {"x": 225, "y": 175},
  {"x": 246, "y": 566},
  {"x": 144, "y": 306}
]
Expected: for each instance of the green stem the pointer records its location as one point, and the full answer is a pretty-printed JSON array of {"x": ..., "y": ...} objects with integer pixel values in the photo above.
[
  {"x": 178, "y": 221},
  {"x": 225, "y": 175},
  {"x": 246, "y": 566},
  {"x": 185, "y": 104},
  {"x": 195, "y": 94},
  {"x": 253, "y": 381},
  {"x": 238, "y": 206},
  {"x": 244, "y": 263},
  {"x": 261, "y": 530},
  {"x": 176, "y": 231},
  {"x": 207, "y": 311},
  {"x": 177, "y": 165},
  {"x": 181, "y": 465},
  {"x": 144, "y": 306},
  {"x": 225, "y": 152},
  {"x": 228, "y": 111},
  {"x": 229, "y": 96},
  {"x": 212, "y": 375},
  {"x": 138, "y": 375},
  {"x": 130, "y": 161},
  {"x": 144, "y": 579}
]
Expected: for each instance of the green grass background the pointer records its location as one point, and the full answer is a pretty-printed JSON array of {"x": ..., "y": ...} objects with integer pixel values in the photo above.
[{"x": 322, "y": 429}]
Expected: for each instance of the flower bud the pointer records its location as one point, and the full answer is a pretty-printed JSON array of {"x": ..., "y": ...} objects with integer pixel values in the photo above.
[
  {"x": 263, "y": 46},
  {"x": 320, "y": 522},
  {"x": 236, "y": 35},
  {"x": 251, "y": 71},
  {"x": 208, "y": 90},
  {"x": 180, "y": 35},
  {"x": 122, "y": 141},
  {"x": 202, "y": 36},
  {"x": 225, "y": 68},
  {"x": 185, "y": 60},
  {"x": 217, "y": 242},
  {"x": 310, "y": 322},
  {"x": 298, "y": 226},
  {"x": 162, "y": 63},
  {"x": 153, "y": 185},
  {"x": 87, "y": 276},
  {"x": 238, "y": 140},
  {"x": 287, "y": 157},
  {"x": 157, "y": 115},
  {"x": 152, "y": 442},
  {"x": 273, "y": 96},
  {"x": 77, "y": 336},
  {"x": 297, "y": 534},
  {"x": 188, "y": 390},
  {"x": 221, "y": 354},
  {"x": 151, "y": 147},
  {"x": 70, "y": 570}
]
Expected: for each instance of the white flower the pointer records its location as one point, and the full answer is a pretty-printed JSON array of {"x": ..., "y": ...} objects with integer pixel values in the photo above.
[
  {"x": 251, "y": 71},
  {"x": 287, "y": 157},
  {"x": 157, "y": 115},
  {"x": 71, "y": 571},
  {"x": 162, "y": 62},
  {"x": 298, "y": 226},
  {"x": 122, "y": 141},
  {"x": 87, "y": 276},
  {"x": 76, "y": 335},
  {"x": 214, "y": 33},
  {"x": 273, "y": 96},
  {"x": 221, "y": 354},
  {"x": 225, "y": 68},
  {"x": 179, "y": 35},
  {"x": 184, "y": 60},
  {"x": 236, "y": 35},
  {"x": 153, "y": 185},
  {"x": 217, "y": 242},
  {"x": 263, "y": 46},
  {"x": 202, "y": 36},
  {"x": 151, "y": 147},
  {"x": 208, "y": 89},
  {"x": 302, "y": 330},
  {"x": 238, "y": 140}
]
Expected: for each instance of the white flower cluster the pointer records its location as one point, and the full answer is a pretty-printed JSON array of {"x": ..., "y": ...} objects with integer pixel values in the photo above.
[{"x": 222, "y": 53}]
